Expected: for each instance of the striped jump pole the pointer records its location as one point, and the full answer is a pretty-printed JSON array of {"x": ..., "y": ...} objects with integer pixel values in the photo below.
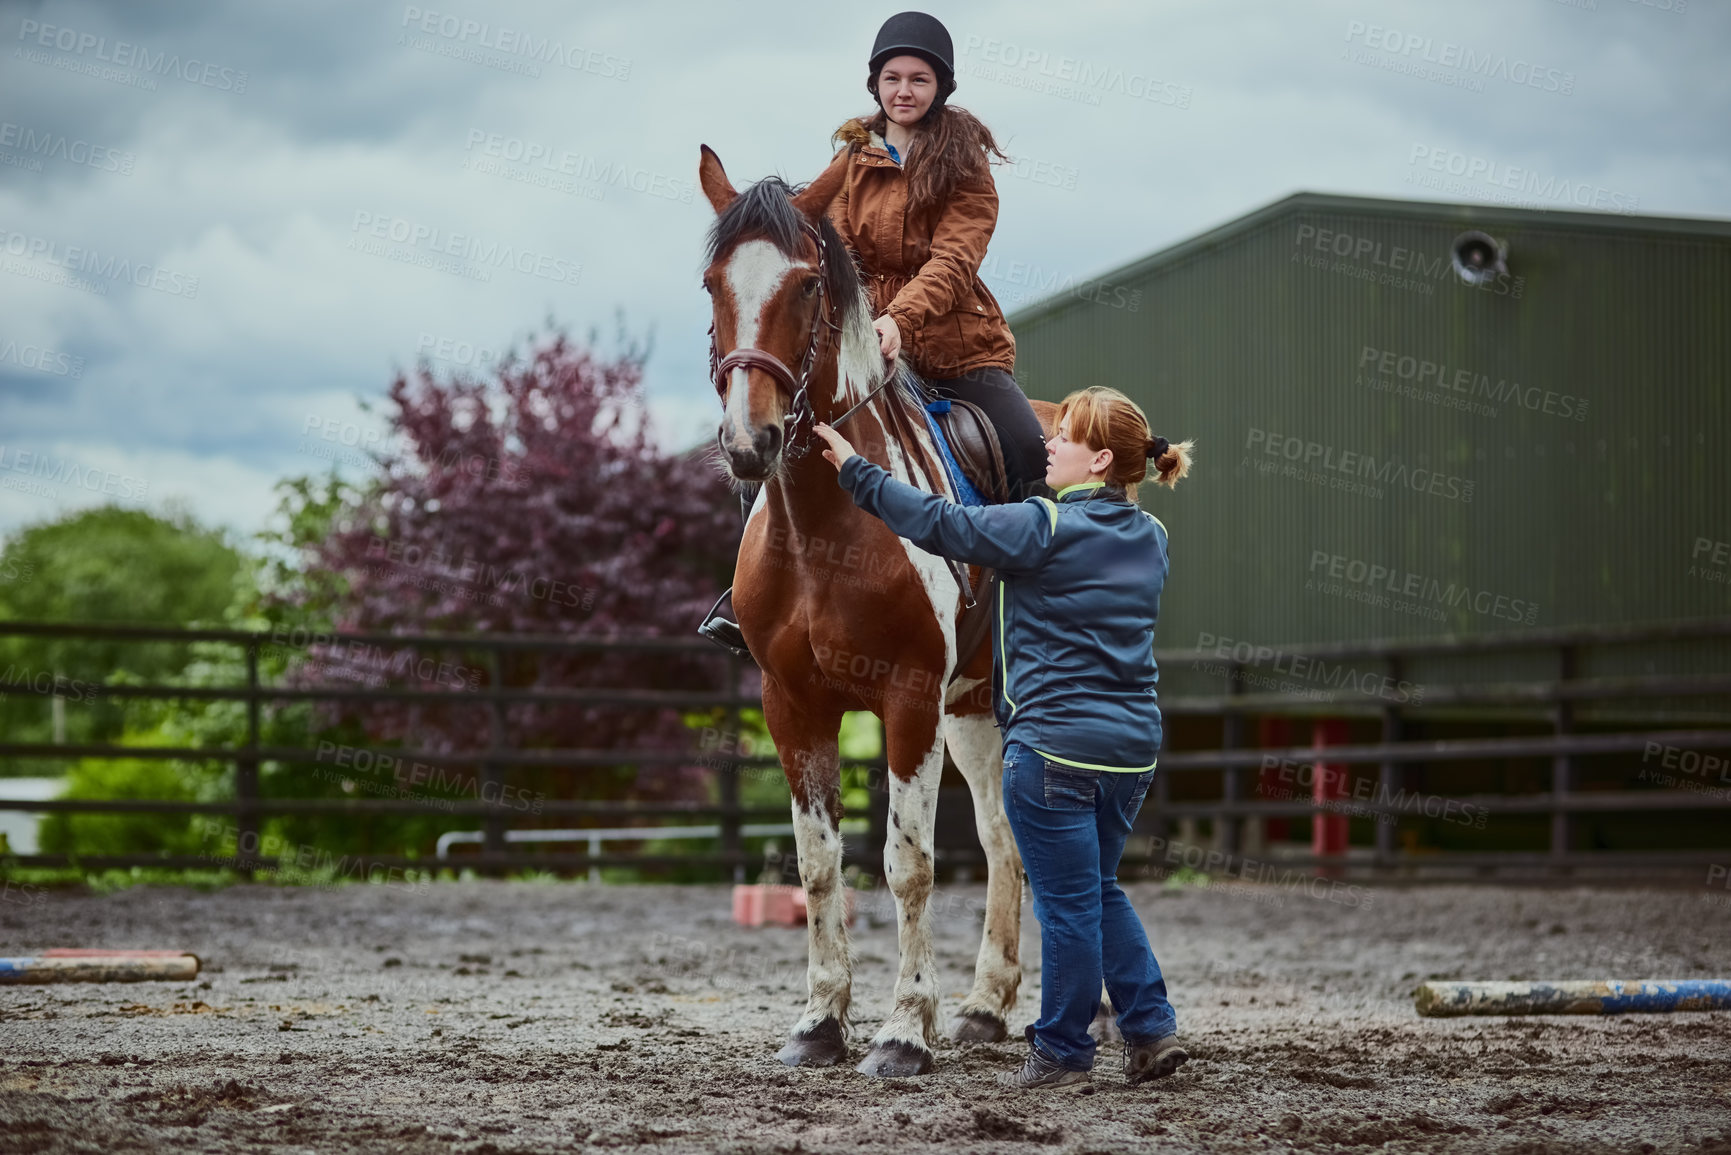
[
  {"x": 1608, "y": 997},
  {"x": 100, "y": 966}
]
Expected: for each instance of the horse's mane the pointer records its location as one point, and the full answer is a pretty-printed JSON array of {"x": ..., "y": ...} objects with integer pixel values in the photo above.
[{"x": 765, "y": 209}]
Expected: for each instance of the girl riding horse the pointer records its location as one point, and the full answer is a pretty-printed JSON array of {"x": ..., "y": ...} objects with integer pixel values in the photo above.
[{"x": 916, "y": 210}]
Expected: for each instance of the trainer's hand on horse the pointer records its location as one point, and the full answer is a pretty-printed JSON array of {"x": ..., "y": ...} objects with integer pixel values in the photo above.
[
  {"x": 889, "y": 336},
  {"x": 840, "y": 449}
]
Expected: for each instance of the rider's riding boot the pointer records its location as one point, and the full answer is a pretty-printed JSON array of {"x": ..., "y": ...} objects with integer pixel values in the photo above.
[{"x": 718, "y": 625}]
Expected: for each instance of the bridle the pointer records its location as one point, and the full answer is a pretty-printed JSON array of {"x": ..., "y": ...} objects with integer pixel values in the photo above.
[{"x": 799, "y": 410}]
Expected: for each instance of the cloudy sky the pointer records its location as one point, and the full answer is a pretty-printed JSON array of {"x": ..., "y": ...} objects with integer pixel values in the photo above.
[{"x": 224, "y": 224}]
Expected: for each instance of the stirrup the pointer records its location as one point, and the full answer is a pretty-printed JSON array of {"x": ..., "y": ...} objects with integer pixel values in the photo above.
[{"x": 723, "y": 632}]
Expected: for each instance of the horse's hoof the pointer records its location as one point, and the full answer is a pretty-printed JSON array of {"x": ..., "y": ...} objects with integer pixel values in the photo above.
[
  {"x": 822, "y": 1046},
  {"x": 895, "y": 1059},
  {"x": 979, "y": 1027}
]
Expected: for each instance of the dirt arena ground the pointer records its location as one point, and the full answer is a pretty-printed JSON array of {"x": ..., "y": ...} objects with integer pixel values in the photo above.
[{"x": 493, "y": 1018}]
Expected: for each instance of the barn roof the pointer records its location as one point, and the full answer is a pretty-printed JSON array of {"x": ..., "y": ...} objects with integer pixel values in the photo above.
[{"x": 1468, "y": 215}]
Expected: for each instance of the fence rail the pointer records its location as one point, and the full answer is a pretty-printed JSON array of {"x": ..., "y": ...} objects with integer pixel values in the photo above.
[{"x": 1556, "y": 699}]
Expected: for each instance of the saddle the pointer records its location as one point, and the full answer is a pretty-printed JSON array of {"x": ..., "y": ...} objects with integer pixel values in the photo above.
[
  {"x": 972, "y": 454},
  {"x": 974, "y": 459}
]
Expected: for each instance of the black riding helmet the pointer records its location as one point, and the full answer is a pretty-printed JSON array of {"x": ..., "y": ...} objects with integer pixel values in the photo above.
[{"x": 923, "y": 36}]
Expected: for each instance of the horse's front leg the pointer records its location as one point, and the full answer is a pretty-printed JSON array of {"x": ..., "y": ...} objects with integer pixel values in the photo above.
[
  {"x": 915, "y": 745},
  {"x": 811, "y": 761},
  {"x": 978, "y": 751}
]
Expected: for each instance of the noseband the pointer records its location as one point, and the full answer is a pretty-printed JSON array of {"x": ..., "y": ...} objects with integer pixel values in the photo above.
[{"x": 799, "y": 412}]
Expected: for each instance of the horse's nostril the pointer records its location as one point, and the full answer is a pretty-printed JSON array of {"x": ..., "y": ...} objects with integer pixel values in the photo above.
[{"x": 768, "y": 439}]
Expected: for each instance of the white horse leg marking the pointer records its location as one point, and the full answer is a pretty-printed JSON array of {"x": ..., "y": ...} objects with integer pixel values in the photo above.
[
  {"x": 829, "y": 966},
  {"x": 978, "y": 750},
  {"x": 908, "y": 871}
]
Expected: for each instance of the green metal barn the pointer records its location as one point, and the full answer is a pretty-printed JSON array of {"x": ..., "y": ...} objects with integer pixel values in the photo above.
[
  {"x": 1461, "y": 484},
  {"x": 1385, "y": 450}
]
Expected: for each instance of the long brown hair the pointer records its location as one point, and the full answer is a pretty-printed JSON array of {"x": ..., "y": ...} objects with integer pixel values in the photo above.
[
  {"x": 950, "y": 147},
  {"x": 1103, "y": 418}
]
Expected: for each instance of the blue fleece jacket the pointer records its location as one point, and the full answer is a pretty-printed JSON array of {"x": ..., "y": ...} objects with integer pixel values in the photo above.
[{"x": 1078, "y": 596}]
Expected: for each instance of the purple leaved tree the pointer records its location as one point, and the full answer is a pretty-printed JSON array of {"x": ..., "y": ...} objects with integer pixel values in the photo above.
[{"x": 533, "y": 502}]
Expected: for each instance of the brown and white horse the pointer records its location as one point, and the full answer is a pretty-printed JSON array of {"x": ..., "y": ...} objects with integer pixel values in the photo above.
[{"x": 843, "y": 615}]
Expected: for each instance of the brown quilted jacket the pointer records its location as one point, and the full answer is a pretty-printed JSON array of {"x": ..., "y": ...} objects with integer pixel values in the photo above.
[{"x": 922, "y": 266}]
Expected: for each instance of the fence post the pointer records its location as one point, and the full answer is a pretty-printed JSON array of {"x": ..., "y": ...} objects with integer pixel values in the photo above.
[
  {"x": 246, "y": 771},
  {"x": 1328, "y": 825},
  {"x": 1226, "y": 826},
  {"x": 1563, "y": 765},
  {"x": 728, "y": 769},
  {"x": 1389, "y": 774},
  {"x": 493, "y": 773}
]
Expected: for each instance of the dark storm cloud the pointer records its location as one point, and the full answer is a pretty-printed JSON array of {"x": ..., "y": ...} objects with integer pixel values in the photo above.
[{"x": 417, "y": 118}]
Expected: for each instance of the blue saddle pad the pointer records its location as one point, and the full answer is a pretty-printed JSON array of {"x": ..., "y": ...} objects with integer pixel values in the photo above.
[{"x": 966, "y": 494}]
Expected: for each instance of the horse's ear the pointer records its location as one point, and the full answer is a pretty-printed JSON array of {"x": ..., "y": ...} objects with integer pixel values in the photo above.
[
  {"x": 813, "y": 200},
  {"x": 713, "y": 178}
]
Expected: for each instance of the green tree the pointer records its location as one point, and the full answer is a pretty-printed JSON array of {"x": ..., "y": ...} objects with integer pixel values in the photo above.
[{"x": 109, "y": 565}]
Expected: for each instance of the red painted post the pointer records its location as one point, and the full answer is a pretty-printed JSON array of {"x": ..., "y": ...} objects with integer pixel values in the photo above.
[
  {"x": 1275, "y": 732},
  {"x": 1328, "y": 783}
]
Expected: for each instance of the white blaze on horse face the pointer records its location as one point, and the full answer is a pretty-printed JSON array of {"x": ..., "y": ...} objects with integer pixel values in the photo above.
[{"x": 755, "y": 272}]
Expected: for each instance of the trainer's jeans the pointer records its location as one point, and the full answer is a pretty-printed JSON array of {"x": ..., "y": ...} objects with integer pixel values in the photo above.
[
  {"x": 1006, "y": 406},
  {"x": 1071, "y": 825}
]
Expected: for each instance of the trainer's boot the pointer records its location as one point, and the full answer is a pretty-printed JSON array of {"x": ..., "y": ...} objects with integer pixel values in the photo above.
[{"x": 1154, "y": 1060}]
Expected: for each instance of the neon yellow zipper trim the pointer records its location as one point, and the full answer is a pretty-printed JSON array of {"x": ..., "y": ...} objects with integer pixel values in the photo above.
[
  {"x": 1003, "y": 655},
  {"x": 1080, "y": 485},
  {"x": 1093, "y": 766}
]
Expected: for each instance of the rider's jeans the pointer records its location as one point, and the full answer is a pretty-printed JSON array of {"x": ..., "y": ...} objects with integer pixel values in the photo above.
[{"x": 1071, "y": 825}]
